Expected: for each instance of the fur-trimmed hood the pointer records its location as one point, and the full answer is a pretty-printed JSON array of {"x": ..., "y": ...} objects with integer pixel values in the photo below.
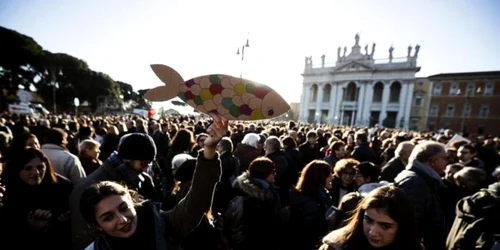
[
  {"x": 332, "y": 240},
  {"x": 256, "y": 188}
]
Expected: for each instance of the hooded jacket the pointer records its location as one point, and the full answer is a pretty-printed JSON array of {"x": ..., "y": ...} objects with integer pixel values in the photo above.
[{"x": 477, "y": 220}]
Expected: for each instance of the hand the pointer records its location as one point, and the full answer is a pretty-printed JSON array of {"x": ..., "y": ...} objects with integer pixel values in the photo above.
[
  {"x": 39, "y": 218},
  {"x": 2, "y": 190},
  {"x": 64, "y": 217},
  {"x": 215, "y": 132}
]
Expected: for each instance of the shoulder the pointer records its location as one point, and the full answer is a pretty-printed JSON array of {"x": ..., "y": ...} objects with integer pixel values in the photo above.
[{"x": 332, "y": 240}]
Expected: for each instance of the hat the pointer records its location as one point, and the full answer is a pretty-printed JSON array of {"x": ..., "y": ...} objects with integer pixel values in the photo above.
[
  {"x": 137, "y": 146},
  {"x": 179, "y": 159}
]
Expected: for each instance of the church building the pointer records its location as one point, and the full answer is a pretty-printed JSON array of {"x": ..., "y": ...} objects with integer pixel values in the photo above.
[{"x": 360, "y": 90}]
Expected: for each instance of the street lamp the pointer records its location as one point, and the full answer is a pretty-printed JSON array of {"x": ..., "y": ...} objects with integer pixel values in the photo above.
[
  {"x": 467, "y": 97},
  {"x": 247, "y": 44}
]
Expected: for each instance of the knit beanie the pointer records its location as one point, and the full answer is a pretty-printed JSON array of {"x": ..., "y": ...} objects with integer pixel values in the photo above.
[{"x": 137, "y": 146}]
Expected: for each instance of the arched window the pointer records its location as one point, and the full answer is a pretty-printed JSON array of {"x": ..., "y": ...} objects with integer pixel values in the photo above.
[
  {"x": 378, "y": 91},
  {"x": 395, "y": 91},
  {"x": 351, "y": 95}
]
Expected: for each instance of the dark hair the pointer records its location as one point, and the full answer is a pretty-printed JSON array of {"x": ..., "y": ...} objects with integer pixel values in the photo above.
[
  {"x": 182, "y": 141},
  {"x": 289, "y": 142},
  {"x": 56, "y": 136},
  {"x": 17, "y": 162},
  {"x": 344, "y": 165},
  {"x": 19, "y": 142},
  {"x": 368, "y": 169},
  {"x": 261, "y": 168},
  {"x": 397, "y": 206},
  {"x": 96, "y": 192},
  {"x": 312, "y": 178}
]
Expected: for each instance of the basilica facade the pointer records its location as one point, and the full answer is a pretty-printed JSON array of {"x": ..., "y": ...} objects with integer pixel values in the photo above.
[{"x": 359, "y": 90}]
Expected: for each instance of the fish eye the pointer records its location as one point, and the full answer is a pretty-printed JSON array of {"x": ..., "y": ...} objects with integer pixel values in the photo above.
[{"x": 270, "y": 112}]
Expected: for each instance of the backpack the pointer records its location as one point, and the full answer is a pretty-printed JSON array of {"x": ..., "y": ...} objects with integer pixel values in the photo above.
[{"x": 233, "y": 220}]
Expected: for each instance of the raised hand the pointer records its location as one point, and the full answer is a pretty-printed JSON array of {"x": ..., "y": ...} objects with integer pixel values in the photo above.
[
  {"x": 39, "y": 218},
  {"x": 215, "y": 132}
]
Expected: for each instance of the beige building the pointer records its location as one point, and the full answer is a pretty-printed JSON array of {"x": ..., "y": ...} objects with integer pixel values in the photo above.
[{"x": 420, "y": 104}]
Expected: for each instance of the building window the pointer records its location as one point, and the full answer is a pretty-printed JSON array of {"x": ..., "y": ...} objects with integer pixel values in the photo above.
[
  {"x": 484, "y": 111},
  {"x": 450, "y": 110},
  {"x": 470, "y": 89},
  {"x": 488, "y": 89},
  {"x": 314, "y": 93},
  {"x": 437, "y": 89},
  {"x": 453, "y": 89},
  {"x": 466, "y": 110},
  {"x": 434, "y": 110},
  {"x": 418, "y": 100}
]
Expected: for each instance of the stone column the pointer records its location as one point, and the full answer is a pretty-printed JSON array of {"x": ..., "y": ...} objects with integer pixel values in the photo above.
[
  {"x": 409, "y": 98},
  {"x": 361, "y": 97},
  {"x": 339, "y": 99},
  {"x": 319, "y": 101},
  {"x": 385, "y": 101},
  {"x": 304, "y": 105},
  {"x": 402, "y": 101},
  {"x": 368, "y": 102},
  {"x": 332, "y": 105}
]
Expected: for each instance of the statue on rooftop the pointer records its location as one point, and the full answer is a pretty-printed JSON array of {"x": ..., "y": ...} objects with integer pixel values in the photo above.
[
  {"x": 391, "y": 49},
  {"x": 409, "y": 50},
  {"x": 373, "y": 49},
  {"x": 345, "y": 51},
  {"x": 357, "y": 39},
  {"x": 323, "y": 61},
  {"x": 417, "y": 48},
  {"x": 338, "y": 53}
]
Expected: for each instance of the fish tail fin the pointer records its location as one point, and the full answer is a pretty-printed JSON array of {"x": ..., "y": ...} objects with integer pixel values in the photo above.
[
  {"x": 159, "y": 94},
  {"x": 171, "y": 78},
  {"x": 167, "y": 75}
]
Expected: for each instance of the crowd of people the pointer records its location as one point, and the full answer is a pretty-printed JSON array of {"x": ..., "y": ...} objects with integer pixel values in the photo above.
[{"x": 128, "y": 182}]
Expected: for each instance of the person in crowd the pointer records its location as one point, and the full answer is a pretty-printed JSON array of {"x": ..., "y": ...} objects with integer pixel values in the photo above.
[
  {"x": 126, "y": 223},
  {"x": 309, "y": 202},
  {"x": 362, "y": 152},
  {"x": 467, "y": 156},
  {"x": 129, "y": 164},
  {"x": 35, "y": 203},
  {"x": 63, "y": 162},
  {"x": 89, "y": 155},
  {"x": 337, "y": 152},
  {"x": 247, "y": 151},
  {"x": 257, "y": 202},
  {"x": 343, "y": 179},
  {"x": 397, "y": 163},
  {"x": 384, "y": 219},
  {"x": 420, "y": 181}
]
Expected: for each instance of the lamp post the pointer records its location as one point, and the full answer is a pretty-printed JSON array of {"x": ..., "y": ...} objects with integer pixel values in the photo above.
[
  {"x": 467, "y": 97},
  {"x": 246, "y": 45}
]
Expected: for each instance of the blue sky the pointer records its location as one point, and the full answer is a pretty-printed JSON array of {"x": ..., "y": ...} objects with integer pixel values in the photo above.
[{"x": 196, "y": 37}]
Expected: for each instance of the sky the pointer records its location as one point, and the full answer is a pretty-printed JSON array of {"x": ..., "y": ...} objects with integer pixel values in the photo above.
[{"x": 197, "y": 37}]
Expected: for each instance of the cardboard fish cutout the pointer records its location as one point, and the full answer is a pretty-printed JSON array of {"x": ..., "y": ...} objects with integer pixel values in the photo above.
[{"x": 231, "y": 97}]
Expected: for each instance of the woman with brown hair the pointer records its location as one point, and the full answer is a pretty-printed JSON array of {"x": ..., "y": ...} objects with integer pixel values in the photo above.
[
  {"x": 309, "y": 202},
  {"x": 35, "y": 203},
  {"x": 385, "y": 219}
]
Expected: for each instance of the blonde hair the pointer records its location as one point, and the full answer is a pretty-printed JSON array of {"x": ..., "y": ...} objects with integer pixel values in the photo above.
[{"x": 88, "y": 144}]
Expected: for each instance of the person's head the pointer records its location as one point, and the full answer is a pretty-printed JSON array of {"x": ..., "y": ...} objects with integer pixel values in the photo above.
[
  {"x": 361, "y": 138},
  {"x": 251, "y": 139},
  {"x": 90, "y": 149},
  {"x": 450, "y": 170},
  {"x": 200, "y": 139},
  {"x": 338, "y": 148},
  {"x": 137, "y": 150},
  {"x": 470, "y": 178},
  {"x": 312, "y": 137},
  {"x": 432, "y": 154},
  {"x": 316, "y": 176},
  {"x": 289, "y": 143},
  {"x": 29, "y": 166},
  {"x": 56, "y": 136},
  {"x": 262, "y": 168},
  {"x": 225, "y": 145},
  {"x": 366, "y": 172},
  {"x": 272, "y": 144},
  {"x": 110, "y": 208},
  {"x": 403, "y": 150},
  {"x": 385, "y": 217},
  {"x": 466, "y": 153},
  {"x": 344, "y": 169}
]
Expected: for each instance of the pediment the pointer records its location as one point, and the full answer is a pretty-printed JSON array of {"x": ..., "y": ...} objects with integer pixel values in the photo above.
[{"x": 353, "y": 66}]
